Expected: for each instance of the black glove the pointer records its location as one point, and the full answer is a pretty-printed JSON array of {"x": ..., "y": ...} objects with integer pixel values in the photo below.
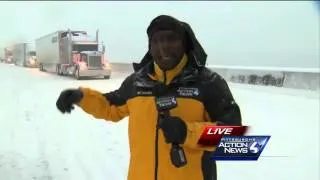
[
  {"x": 174, "y": 130},
  {"x": 67, "y": 99}
]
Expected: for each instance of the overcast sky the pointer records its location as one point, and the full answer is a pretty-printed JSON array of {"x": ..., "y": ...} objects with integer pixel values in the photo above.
[{"x": 232, "y": 33}]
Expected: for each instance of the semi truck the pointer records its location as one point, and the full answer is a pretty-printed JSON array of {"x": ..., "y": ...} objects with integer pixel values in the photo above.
[
  {"x": 8, "y": 55},
  {"x": 24, "y": 54},
  {"x": 73, "y": 53}
]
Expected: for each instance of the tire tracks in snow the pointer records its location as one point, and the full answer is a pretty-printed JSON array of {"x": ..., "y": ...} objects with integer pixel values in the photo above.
[{"x": 32, "y": 119}]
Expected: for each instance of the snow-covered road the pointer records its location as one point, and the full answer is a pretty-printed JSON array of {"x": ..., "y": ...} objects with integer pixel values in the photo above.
[{"x": 39, "y": 143}]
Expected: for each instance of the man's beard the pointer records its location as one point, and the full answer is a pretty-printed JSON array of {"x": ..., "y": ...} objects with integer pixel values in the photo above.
[{"x": 167, "y": 63}]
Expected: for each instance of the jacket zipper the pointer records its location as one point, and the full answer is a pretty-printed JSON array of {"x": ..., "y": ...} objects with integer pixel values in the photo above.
[
  {"x": 157, "y": 138},
  {"x": 156, "y": 152}
]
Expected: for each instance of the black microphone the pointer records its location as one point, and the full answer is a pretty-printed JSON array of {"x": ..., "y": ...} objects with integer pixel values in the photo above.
[{"x": 164, "y": 104}]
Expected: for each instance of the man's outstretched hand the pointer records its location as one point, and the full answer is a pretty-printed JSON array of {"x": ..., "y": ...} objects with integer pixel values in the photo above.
[{"x": 67, "y": 99}]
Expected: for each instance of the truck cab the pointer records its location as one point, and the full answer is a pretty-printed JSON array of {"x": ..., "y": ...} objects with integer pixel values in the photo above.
[
  {"x": 31, "y": 59},
  {"x": 8, "y": 56},
  {"x": 82, "y": 55}
]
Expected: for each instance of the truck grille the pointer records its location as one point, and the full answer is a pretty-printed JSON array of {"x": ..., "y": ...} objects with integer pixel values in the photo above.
[{"x": 94, "y": 61}]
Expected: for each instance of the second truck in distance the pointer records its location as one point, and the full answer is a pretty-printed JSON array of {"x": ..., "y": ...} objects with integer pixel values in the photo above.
[{"x": 24, "y": 54}]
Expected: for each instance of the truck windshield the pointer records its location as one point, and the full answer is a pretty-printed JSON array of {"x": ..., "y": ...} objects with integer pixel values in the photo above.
[
  {"x": 32, "y": 53},
  {"x": 85, "y": 47}
]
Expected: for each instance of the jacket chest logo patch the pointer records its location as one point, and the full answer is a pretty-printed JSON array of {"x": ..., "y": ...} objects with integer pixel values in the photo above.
[
  {"x": 144, "y": 92},
  {"x": 191, "y": 92}
]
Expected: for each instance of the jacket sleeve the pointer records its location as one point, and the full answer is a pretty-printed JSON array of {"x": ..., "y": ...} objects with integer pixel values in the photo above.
[
  {"x": 220, "y": 109},
  {"x": 109, "y": 106}
]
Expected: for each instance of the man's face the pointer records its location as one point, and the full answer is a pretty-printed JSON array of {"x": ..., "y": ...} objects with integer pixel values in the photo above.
[{"x": 166, "y": 49}]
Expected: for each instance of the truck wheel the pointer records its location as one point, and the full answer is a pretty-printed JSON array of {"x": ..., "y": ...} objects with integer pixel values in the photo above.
[
  {"x": 106, "y": 77},
  {"x": 77, "y": 74},
  {"x": 40, "y": 67},
  {"x": 59, "y": 70}
]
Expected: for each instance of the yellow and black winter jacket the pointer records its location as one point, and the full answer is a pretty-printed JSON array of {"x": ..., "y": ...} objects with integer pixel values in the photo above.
[{"x": 203, "y": 98}]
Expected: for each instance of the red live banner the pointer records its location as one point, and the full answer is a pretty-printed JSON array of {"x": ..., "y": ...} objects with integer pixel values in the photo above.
[{"x": 212, "y": 134}]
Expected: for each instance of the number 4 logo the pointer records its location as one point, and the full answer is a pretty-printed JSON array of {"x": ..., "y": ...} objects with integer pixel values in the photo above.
[{"x": 254, "y": 148}]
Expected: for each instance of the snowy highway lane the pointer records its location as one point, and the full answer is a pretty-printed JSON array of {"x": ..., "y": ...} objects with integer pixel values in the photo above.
[{"x": 39, "y": 143}]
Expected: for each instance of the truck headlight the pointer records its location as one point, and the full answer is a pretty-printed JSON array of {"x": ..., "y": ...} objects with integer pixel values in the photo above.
[
  {"x": 106, "y": 65},
  {"x": 83, "y": 66},
  {"x": 32, "y": 61}
]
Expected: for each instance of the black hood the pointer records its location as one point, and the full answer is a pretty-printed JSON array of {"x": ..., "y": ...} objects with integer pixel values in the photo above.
[{"x": 195, "y": 52}]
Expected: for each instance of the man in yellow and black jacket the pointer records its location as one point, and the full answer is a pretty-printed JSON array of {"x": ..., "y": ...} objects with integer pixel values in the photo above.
[{"x": 173, "y": 67}]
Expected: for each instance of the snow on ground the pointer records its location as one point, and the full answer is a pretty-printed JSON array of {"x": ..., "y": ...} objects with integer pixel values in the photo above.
[{"x": 39, "y": 143}]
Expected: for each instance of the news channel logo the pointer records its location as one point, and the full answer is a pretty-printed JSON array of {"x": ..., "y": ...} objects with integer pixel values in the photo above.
[{"x": 240, "y": 148}]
